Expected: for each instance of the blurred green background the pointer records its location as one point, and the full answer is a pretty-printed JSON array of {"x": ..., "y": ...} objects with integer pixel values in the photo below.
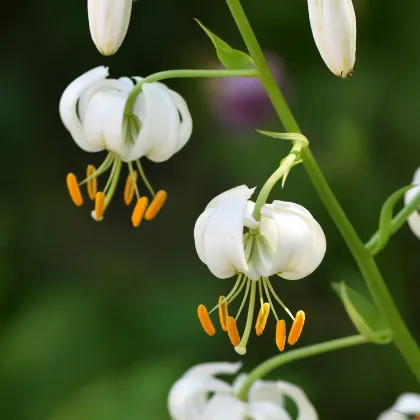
[{"x": 97, "y": 320}]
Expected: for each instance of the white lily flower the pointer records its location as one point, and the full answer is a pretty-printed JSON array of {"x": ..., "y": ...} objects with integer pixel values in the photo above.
[
  {"x": 92, "y": 109},
  {"x": 189, "y": 397},
  {"x": 287, "y": 241},
  {"x": 406, "y": 407},
  {"x": 108, "y": 23},
  {"x": 333, "y": 24},
  {"x": 414, "y": 218}
]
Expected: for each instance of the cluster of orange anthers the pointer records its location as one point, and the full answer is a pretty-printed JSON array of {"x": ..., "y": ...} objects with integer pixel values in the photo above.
[
  {"x": 228, "y": 323},
  {"x": 142, "y": 209}
]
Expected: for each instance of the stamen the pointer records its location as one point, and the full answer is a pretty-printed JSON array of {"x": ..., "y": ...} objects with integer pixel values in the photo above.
[
  {"x": 281, "y": 334},
  {"x": 139, "y": 211},
  {"x": 144, "y": 178},
  {"x": 296, "y": 328},
  {"x": 129, "y": 188},
  {"x": 205, "y": 320},
  {"x": 226, "y": 299},
  {"x": 262, "y": 318},
  {"x": 269, "y": 297},
  {"x": 74, "y": 190},
  {"x": 248, "y": 284},
  {"x": 233, "y": 332},
  {"x": 99, "y": 205},
  {"x": 223, "y": 313},
  {"x": 241, "y": 286},
  {"x": 156, "y": 205},
  {"x": 278, "y": 299},
  {"x": 92, "y": 183}
]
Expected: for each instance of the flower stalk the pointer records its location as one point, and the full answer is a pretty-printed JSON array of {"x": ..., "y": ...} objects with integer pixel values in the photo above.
[{"x": 376, "y": 284}]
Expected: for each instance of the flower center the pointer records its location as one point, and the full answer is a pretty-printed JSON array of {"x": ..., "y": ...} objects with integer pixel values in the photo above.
[{"x": 113, "y": 164}]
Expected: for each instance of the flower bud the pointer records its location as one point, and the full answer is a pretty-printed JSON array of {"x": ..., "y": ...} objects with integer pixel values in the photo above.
[
  {"x": 333, "y": 24},
  {"x": 108, "y": 23}
]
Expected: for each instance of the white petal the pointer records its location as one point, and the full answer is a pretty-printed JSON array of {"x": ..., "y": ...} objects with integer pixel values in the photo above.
[
  {"x": 414, "y": 218},
  {"x": 392, "y": 415},
  {"x": 241, "y": 191},
  {"x": 186, "y": 125},
  {"x": 264, "y": 410},
  {"x": 296, "y": 238},
  {"x": 160, "y": 125},
  {"x": 108, "y": 23},
  {"x": 265, "y": 391},
  {"x": 104, "y": 121},
  {"x": 306, "y": 410},
  {"x": 408, "y": 403},
  {"x": 68, "y": 104},
  {"x": 199, "y": 232},
  {"x": 333, "y": 24},
  {"x": 223, "y": 239},
  {"x": 414, "y": 223},
  {"x": 224, "y": 407},
  {"x": 214, "y": 368},
  {"x": 188, "y": 396}
]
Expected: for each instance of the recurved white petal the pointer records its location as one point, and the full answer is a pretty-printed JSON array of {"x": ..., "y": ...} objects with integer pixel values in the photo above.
[
  {"x": 241, "y": 191},
  {"x": 414, "y": 218},
  {"x": 223, "y": 239},
  {"x": 68, "y": 106},
  {"x": 408, "y": 403},
  {"x": 306, "y": 411},
  {"x": 265, "y": 410},
  {"x": 225, "y": 407},
  {"x": 333, "y": 24},
  {"x": 108, "y": 23},
  {"x": 297, "y": 240},
  {"x": 104, "y": 121},
  {"x": 214, "y": 369},
  {"x": 199, "y": 232},
  {"x": 160, "y": 125}
]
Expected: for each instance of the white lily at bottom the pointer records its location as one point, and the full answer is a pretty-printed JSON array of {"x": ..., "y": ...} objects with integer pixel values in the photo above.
[
  {"x": 406, "y": 407},
  {"x": 92, "y": 108},
  {"x": 414, "y": 218},
  {"x": 189, "y": 397},
  {"x": 286, "y": 241}
]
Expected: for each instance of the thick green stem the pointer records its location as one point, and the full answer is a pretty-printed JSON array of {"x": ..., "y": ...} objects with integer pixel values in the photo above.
[
  {"x": 309, "y": 351},
  {"x": 401, "y": 335},
  {"x": 171, "y": 74}
]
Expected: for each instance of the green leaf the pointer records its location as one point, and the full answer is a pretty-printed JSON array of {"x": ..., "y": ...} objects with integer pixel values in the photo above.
[
  {"x": 364, "y": 315},
  {"x": 386, "y": 218},
  {"x": 296, "y": 137},
  {"x": 232, "y": 59}
]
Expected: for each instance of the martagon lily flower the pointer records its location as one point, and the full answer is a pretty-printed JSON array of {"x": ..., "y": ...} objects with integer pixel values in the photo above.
[
  {"x": 333, "y": 24},
  {"x": 92, "y": 109},
  {"x": 108, "y": 23},
  {"x": 406, "y": 407},
  {"x": 189, "y": 398},
  {"x": 414, "y": 218},
  {"x": 287, "y": 241}
]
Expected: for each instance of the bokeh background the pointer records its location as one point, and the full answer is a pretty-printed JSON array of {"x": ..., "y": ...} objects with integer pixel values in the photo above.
[{"x": 97, "y": 320}]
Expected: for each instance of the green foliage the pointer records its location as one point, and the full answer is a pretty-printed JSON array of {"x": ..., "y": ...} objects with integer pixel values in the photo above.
[
  {"x": 232, "y": 59},
  {"x": 364, "y": 315}
]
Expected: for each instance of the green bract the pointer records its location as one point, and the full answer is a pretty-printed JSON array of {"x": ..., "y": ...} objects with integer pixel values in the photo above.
[
  {"x": 228, "y": 56},
  {"x": 365, "y": 316}
]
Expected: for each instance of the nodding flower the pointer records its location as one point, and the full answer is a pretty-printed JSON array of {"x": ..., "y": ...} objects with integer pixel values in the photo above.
[
  {"x": 286, "y": 241},
  {"x": 93, "y": 109},
  {"x": 414, "y": 218}
]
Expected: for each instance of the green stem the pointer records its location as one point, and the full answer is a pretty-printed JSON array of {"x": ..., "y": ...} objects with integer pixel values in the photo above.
[
  {"x": 402, "y": 337},
  {"x": 309, "y": 351},
  {"x": 171, "y": 74},
  {"x": 396, "y": 223}
]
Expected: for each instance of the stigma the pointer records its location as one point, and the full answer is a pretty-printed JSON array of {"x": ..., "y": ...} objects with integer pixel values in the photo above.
[
  {"x": 254, "y": 292},
  {"x": 145, "y": 207}
]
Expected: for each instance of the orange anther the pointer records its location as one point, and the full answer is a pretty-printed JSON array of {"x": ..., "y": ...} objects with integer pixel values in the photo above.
[
  {"x": 139, "y": 211},
  {"x": 129, "y": 188},
  {"x": 205, "y": 320},
  {"x": 262, "y": 318},
  {"x": 281, "y": 334},
  {"x": 92, "y": 184},
  {"x": 223, "y": 314},
  {"x": 74, "y": 189},
  {"x": 296, "y": 328},
  {"x": 156, "y": 205},
  {"x": 233, "y": 333},
  {"x": 99, "y": 205}
]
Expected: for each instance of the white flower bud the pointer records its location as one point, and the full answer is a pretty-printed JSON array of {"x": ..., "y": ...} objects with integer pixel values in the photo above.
[
  {"x": 108, "y": 23},
  {"x": 333, "y": 24}
]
